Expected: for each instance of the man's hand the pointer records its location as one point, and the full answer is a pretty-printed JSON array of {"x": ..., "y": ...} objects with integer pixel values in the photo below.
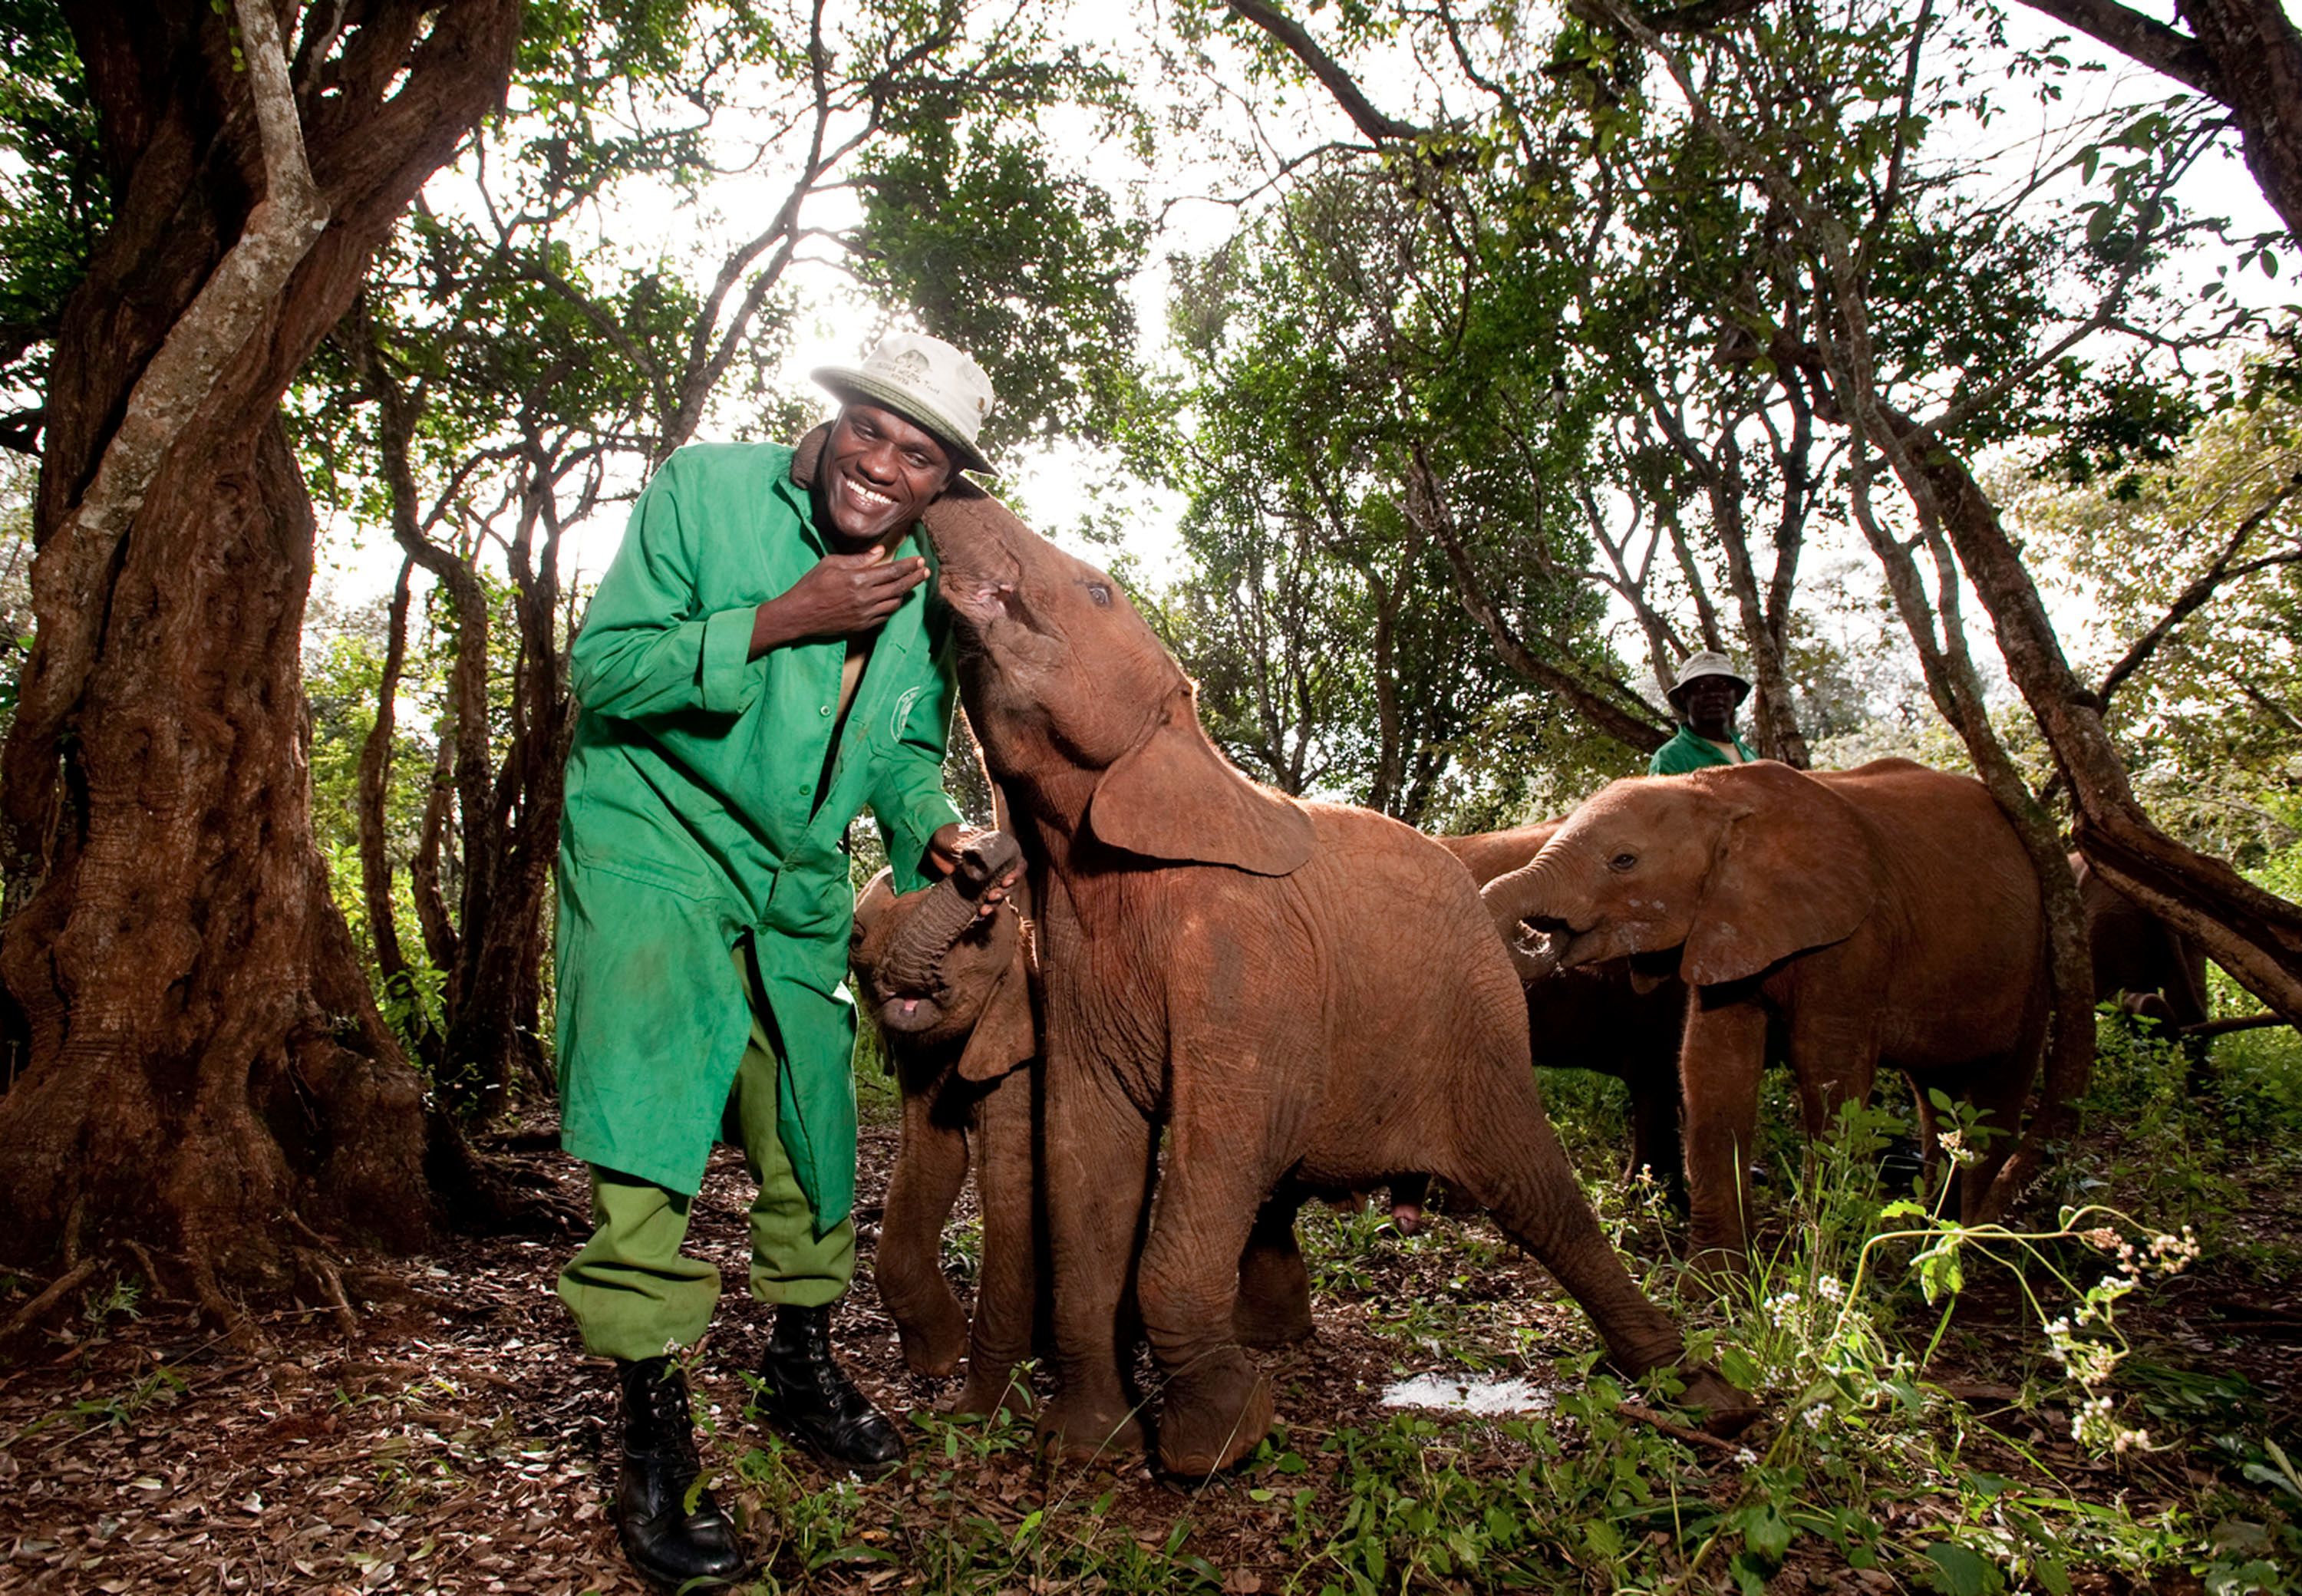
[
  {"x": 942, "y": 858},
  {"x": 842, "y": 595}
]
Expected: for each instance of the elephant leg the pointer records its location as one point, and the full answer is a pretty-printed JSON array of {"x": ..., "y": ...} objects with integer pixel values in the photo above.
[
  {"x": 1007, "y": 1286},
  {"x": 1216, "y": 1405},
  {"x": 1508, "y": 1159},
  {"x": 1719, "y": 1069},
  {"x": 1098, "y": 1163},
  {"x": 1274, "y": 1288},
  {"x": 931, "y": 1168},
  {"x": 1999, "y": 1088}
]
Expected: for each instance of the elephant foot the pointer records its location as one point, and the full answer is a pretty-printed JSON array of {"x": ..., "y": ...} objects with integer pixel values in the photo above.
[
  {"x": 1215, "y": 1413},
  {"x": 1726, "y": 1408},
  {"x": 1079, "y": 1430},
  {"x": 987, "y": 1393},
  {"x": 1266, "y": 1325},
  {"x": 933, "y": 1342}
]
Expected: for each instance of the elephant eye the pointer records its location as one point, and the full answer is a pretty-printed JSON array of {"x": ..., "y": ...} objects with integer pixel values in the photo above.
[
  {"x": 1100, "y": 594},
  {"x": 1622, "y": 862}
]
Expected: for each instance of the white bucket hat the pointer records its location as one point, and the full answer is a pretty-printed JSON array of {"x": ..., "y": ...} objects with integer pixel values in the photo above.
[
  {"x": 1705, "y": 664},
  {"x": 927, "y": 382}
]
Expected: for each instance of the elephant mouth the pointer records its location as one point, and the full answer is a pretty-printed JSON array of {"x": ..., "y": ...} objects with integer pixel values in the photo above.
[
  {"x": 911, "y": 1015},
  {"x": 978, "y": 598},
  {"x": 1575, "y": 949}
]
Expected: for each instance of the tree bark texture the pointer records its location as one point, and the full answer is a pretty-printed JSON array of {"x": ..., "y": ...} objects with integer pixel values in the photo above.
[
  {"x": 1939, "y": 635},
  {"x": 206, "y": 1073},
  {"x": 2253, "y": 934}
]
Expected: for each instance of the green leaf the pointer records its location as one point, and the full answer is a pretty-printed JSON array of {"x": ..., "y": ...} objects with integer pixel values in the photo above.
[
  {"x": 1958, "y": 1570},
  {"x": 1766, "y": 1533}
]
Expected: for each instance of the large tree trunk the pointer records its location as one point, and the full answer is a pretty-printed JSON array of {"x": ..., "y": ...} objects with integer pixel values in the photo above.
[
  {"x": 207, "y": 1073},
  {"x": 2257, "y": 55}
]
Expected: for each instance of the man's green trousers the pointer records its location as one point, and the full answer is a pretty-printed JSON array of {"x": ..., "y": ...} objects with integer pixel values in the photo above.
[{"x": 635, "y": 1295}]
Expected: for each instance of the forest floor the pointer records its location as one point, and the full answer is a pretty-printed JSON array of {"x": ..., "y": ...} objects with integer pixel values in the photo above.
[{"x": 450, "y": 1435}]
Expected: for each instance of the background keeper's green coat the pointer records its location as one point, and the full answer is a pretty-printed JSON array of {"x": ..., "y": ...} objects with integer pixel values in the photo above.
[
  {"x": 691, "y": 819},
  {"x": 1686, "y": 751}
]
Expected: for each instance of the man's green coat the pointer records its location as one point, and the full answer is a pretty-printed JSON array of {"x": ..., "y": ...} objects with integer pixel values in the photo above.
[
  {"x": 1686, "y": 751},
  {"x": 691, "y": 819}
]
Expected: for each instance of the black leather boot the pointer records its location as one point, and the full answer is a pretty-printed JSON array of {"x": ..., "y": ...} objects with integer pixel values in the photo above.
[
  {"x": 663, "y": 1539},
  {"x": 808, "y": 1397}
]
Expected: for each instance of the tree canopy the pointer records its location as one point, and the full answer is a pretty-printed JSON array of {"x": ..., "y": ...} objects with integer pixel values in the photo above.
[{"x": 1873, "y": 343}]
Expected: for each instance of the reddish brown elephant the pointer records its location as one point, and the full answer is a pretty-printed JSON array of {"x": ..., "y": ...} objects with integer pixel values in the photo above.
[
  {"x": 1886, "y": 915},
  {"x": 949, "y": 987},
  {"x": 1301, "y": 994}
]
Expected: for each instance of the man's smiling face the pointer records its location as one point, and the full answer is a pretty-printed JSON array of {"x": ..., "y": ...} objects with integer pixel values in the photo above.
[{"x": 878, "y": 473}]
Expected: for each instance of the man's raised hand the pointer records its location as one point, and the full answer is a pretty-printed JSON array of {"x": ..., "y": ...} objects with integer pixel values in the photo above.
[{"x": 841, "y": 595}]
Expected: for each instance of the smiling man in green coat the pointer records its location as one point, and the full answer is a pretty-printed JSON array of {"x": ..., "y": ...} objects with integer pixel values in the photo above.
[{"x": 761, "y": 662}]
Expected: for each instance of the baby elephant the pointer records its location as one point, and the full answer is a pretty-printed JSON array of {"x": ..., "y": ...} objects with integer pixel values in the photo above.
[
  {"x": 947, "y": 973},
  {"x": 1885, "y": 917}
]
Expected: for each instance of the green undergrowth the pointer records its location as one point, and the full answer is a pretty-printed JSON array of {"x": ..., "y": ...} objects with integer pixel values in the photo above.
[{"x": 1951, "y": 1410}]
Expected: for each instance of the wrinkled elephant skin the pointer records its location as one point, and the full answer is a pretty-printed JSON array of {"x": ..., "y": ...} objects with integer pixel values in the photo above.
[
  {"x": 1301, "y": 994},
  {"x": 1886, "y": 915},
  {"x": 950, "y": 989},
  {"x": 959, "y": 1031}
]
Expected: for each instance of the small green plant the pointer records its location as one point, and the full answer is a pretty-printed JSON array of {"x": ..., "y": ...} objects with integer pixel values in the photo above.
[
  {"x": 160, "y": 1388},
  {"x": 121, "y": 1296},
  {"x": 961, "y": 1251}
]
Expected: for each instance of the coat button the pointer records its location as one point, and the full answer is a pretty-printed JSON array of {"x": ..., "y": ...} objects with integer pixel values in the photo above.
[{"x": 825, "y": 711}]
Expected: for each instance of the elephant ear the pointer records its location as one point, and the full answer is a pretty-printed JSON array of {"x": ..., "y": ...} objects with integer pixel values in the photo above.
[
  {"x": 1794, "y": 870},
  {"x": 1177, "y": 798},
  {"x": 1006, "y": 1035},
  {"x": 808, "y": 455}
]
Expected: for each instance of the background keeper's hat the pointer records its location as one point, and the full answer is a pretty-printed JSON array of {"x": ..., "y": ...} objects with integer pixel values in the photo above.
[{"x": 1707, "y": 663}]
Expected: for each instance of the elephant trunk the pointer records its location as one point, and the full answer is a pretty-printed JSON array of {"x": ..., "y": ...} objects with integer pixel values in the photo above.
[
  {"x": 1526, "y": 895},
  {"x": 1525, "y": 900},
  {"x": 915, "y": 953}
]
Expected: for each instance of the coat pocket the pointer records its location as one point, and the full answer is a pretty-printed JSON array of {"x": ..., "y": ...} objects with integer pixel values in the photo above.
[{"x": 688, "y": 881}]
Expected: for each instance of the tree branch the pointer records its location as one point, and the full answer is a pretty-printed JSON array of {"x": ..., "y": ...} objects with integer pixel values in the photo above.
[
  {"x": 1299, "y": 43},
  {"x": 2141, "y": 38},
  {"x": 2203, "y": 588},
  {"x": 1426, "y": 506}
]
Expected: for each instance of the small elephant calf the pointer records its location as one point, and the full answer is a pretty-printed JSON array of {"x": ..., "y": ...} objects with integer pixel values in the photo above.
[{"x": 947, "y": 972}]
